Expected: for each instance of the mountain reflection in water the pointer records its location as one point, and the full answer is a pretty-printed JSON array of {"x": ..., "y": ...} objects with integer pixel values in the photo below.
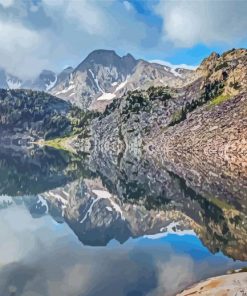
[{"x": 154, "y": 234}]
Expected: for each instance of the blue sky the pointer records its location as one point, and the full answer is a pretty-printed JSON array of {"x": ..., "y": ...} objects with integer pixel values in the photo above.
[{"x": 53, "y": 34}]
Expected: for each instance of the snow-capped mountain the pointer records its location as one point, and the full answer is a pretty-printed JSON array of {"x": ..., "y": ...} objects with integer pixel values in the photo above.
[
  {"x": 100, "y": 77},
  {"x": 104, "y": 75},
  {"x": 44, "y": 82},
  {"x": 9, "y": 81}
]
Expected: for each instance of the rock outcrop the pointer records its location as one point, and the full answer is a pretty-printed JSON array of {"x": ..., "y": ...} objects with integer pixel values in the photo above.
[{"x": 226, "y": 285}]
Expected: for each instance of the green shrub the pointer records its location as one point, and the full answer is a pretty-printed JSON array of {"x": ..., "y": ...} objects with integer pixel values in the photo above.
[
  {"x": 220, "y": 66},
  {"x": 219, "y": 100}
]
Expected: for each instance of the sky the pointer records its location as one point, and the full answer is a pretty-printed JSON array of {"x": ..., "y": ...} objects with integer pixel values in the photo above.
[{"x": 53, "y": 34}]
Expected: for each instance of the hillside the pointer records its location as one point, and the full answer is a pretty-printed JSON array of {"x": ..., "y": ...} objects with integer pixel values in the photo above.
[
  {"x": 141, "y": 115},
  {"x": 27, "y": 116}
]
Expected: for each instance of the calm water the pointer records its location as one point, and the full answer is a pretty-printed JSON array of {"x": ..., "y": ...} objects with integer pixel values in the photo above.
[{"x": 88, "y": 225}]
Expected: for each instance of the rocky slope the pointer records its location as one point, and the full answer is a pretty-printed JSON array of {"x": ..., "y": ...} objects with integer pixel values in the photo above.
[
  {"x": 140, "y": 116},
  {"x": 226, "y": 285},
  {"x": 104, "y": 75}
]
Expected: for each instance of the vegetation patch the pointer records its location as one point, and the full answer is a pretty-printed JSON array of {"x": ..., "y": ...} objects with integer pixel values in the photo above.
[
  {"x": 59, "y": 143},
  {"x": 178, "y": 116},
  {"x": 221, "y": 66},
  {"x": 219, "y": 100},
  {"x": 220, "y": 203}
]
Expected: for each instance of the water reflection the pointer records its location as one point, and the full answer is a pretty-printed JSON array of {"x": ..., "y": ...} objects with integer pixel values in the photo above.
[
  {"x": 36, "y": 170},
  {"x": 41, "y": 257},
  {"x": 154, "y": 233}
]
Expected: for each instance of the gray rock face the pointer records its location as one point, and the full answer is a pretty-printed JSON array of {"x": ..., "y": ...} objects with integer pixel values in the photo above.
[
  {"x": 104, "y": 75},
  {"x": 63, "y": 75},
  {"x": 98, "y": 216}
]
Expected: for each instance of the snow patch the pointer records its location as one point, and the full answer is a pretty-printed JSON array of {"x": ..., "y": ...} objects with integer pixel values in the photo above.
[
  {"x": 13, "y": 84},
  {"x": 67, "y": 89},
  {"x": 96, "y": 81},
  {"x": 106, "y": 97},
  {"x": 107, "y": 195},
  {"x": 122, "y": 84},
  {"x": 110, "y": 96},
  {"x": 102, "y": 194},
  {"x": 51, "y": 84},
  {"x": 169, "y": 230},
  {"x": 90, "y": 210},
  {"x": 6, "y": 199},
  {"x": 175, "y": 73},
  {"x": 59, "y": 198},
  {"x": 43, "y": 202}
]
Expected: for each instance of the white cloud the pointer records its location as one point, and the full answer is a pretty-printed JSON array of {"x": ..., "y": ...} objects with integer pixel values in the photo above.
[
  {"x": 174, "y": 275},
  {"x": 187, "y": 23},
  {"x": 173, "y": 66},
  {"x": 21, "y": 236},
  {"x": 52, "y": 33},
  {"x": 128, "y": 6},
  {"x": 21, "y": 49},
  {"x": 6, "y": 3},
  {"x": 88, "y": 15}
]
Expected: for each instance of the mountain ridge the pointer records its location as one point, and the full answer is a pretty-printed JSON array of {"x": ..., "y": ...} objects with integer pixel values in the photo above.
[{"x": 103, "y": 75}]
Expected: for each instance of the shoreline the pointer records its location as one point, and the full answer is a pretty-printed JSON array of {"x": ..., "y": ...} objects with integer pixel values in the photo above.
[{"x": 224, "y": 285}]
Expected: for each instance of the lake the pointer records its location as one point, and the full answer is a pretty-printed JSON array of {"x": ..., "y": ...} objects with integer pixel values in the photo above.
[{"x": 85, "y": 225}]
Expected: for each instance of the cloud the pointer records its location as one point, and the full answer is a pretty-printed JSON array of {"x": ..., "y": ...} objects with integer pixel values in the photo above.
[
  {"x": 172, "y": 66},
  {"x": 52, "y": 34},
  {"x": 22, "y": 50},
  {"x": 174, "y": 275},
  {"x": 187, "y": 23},
  {"x": 87, "y": 15},
  {"x": 128, "y": 5},
  {"x": 40, "y": 257},
  {"x": 6, "y": 3}
]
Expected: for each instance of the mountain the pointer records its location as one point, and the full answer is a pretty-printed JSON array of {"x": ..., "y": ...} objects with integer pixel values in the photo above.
[
  {"x": 99, "y": 78},
  {"x": 104, "y": 75},
  {"x": 43, "y": 82},
  {"x": 9, "y": 81},
  {"x": 140, "y": 116},
  {"x": 64, "y": 75}
]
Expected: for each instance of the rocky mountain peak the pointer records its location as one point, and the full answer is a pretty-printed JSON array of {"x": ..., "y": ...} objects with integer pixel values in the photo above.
[
  {"x": 99, "y": 57},
  {"x": 209, "y": 62}
]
